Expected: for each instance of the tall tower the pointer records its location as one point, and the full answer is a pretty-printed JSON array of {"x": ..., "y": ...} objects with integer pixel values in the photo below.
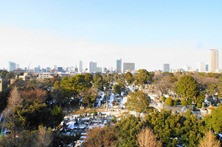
[
  {"x": 80, "y": 66},
  {"x": 214, "y": 60},
  {"x": 92, "y": 67},
  {"x": 119, "y": 66},
  {"x": 12, "y": 66}
]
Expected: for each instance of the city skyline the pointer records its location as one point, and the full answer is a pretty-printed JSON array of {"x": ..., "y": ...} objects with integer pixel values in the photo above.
[{"x": 148, "y": 33}]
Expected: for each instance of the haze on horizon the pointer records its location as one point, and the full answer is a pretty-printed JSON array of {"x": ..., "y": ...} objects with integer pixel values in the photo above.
[{"x": 149, "y": 33}]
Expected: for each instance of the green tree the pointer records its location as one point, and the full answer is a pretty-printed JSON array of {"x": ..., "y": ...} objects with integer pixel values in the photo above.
[
  {"x": 200, "y": 99},
  {"x": 142, "y": 77},
  {"x": 98, "y": 81},
  {"x": 211, "y": 89},
  {"x": 117, "y": 89},
  {"x": 174, "y": 129},
  {"x": 138, "y": 101},
  {"x": 128, "y": 128},
  {"x": 187, "y": 87},
  {"x": 169, "y": 101},
  {"x": 3, "y": 73},
  {"x": 129, "y": 77},
  {"x": 57, "y": 116},
  {"x": 10, "y": 75},
  {"x": 214, "y": 120},
  {"x": 75, "y": 85},
  {"x": 184, "y": 102}
]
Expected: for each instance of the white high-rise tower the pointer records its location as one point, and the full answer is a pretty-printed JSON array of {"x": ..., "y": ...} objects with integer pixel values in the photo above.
[{"x": 214, "y": 61}]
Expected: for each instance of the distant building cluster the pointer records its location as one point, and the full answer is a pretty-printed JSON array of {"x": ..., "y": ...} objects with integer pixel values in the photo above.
[
  {"x": 212, "y": 67},
  {"x": 121, "y": 67}
]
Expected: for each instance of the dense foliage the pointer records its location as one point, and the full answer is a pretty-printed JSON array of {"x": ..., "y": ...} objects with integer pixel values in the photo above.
[
  {"x": 187, "y": 87},
  {"x": 138, "y": 101}
]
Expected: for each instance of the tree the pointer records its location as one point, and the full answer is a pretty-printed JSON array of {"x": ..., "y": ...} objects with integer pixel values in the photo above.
[
  {"x": 98, "y": 137},
  {"x": 214, "y": 120},
  {"x": 200, "y": 99},
  {"x": 57, "y": 116},
  {"x": 128, "y": 128},
  {"x": 74, "y": 85},
  {"x": 89, "y": 96},
  {"x": 138, "y": 101},
  {"x": 169, "y": 101},
  {"x": 187, "y": 87},
  {"x": 43, "y": 137},
  {"x": 146, "y": 138},
  {"x": 184, "y": 102},
  {"x": 129, "y": 78},
  {"x": 165, "y": 83},
  {"x": 14, "y": 101},
  {"x": 175, "y": 129},
  {"x": 211, "y": 89},
  {"x": 209, "y": 140},
  {"x": 117, "y": 89},
  {"x": 98, "y": 81},
  {"x": 142, "y": 77}
]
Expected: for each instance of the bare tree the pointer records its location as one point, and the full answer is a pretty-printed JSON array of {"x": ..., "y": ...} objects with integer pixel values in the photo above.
[
  {"x": 209, "y": 140},
  {"x": 14, "y": 99},
  {"x": 43, "y": 137},
  {"x": 146, "y": 138}
]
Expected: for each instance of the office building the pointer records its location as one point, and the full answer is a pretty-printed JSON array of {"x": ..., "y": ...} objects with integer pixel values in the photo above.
[
  {"x": 207, "y": 68},
  {"x": 92, "y": 67},
  {"x": 80, "y": 67},
  {"x": 214, "y": 61},
  {"x": 202, "y": 67},
  {"x": 166, "y": 67},
  {"x": 128, "y": 67},
  {"x": 98, "y": 70},
  {"x": 12, "y": 66},
  {"x": 119, "y": 66}
]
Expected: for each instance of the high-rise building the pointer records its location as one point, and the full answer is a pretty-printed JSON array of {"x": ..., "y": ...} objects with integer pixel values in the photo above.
[
  {"x": 202, "y": 67},
  {"x": 166, "y": 67},
  {"x": 80, "y": 66},
  {"x": 128, "y": 67},
  {"x": 119, "y": 66},
  {"x": 92, "y": 67},
  {"x": 214, "y": 60},
  {"x": 12, "y": 66},
  {"x": 207, "y": 68}
]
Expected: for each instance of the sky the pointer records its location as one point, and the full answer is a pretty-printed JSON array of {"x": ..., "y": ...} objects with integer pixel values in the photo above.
[{"x": 146, "y": 32}]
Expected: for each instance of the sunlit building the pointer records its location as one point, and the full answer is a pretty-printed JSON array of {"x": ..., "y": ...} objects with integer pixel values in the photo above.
[
  {"x": 128, "y": 67},
  {"x": 214, "y": 60}
]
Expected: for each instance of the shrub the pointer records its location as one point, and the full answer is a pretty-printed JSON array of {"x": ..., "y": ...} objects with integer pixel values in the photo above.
[
  {"x": 184, "y": 102},
  {"x": 169, "y": 101}
]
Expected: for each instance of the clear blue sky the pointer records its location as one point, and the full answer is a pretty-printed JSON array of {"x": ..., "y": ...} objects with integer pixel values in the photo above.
[{"x": 149, "y": 33}]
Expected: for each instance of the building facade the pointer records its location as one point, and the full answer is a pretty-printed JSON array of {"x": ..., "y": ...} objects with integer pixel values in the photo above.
[
  {"x": 12, "y": 66},
  {"x": 92, "y": 67},
  {"x": 80, "y": 67},
  {"x": 119, "y": 66},
  {"x": 166, "y": 67},
  {"x": 202, "y": 67},
  {"x": 214, "y": 61},
  {"x": 128, "y": 67}
]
